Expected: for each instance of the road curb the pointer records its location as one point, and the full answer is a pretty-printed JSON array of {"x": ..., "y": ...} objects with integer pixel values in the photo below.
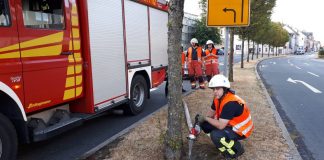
[
  {"x": 293, "y": 150},
  {"x": 124, "y": 131}
]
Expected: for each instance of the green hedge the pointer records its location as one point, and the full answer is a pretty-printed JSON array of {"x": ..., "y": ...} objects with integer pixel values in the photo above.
[{"x": 321, "y": 53}]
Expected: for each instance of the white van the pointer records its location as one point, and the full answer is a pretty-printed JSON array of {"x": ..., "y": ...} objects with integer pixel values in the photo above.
[{"x": 300, "y": 50}]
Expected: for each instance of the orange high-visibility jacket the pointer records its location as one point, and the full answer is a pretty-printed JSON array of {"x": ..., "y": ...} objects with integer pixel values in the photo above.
[
  {"x": 199, "y": 53},
  {"x": 183, "y": 58},
  {"x": 213, "y": 51},
  {"x": 242, "y": 124},
  {"x": 211, "y": 56}
]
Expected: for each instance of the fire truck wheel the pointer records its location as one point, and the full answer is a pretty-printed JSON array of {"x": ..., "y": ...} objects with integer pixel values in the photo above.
[
  {"x": 8, "y": 139},
  {"x": 138, "y": 95}
]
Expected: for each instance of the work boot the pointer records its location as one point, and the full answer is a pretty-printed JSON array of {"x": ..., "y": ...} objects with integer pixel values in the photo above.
[
  {"x": 193, "y": 86},
  {"x": 183, "y": 90},
  {"x": 235, "y": 156}
]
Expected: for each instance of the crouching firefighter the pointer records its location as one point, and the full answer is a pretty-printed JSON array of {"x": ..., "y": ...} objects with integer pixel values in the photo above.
[{"x": 228, "y": 120}]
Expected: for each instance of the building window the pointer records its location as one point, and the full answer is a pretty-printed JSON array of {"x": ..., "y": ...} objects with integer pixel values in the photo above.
[
  {"x": 266, "y": 49},
  {"x": 44, "y": 14},
  {"x": 238, "y": 47},
  {"x": 4, "y": 14}
]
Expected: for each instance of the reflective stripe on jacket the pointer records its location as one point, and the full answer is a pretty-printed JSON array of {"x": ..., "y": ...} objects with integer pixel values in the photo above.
[
  {"x": 199, "y": 53},
  {"x": 242, "y": 124}
]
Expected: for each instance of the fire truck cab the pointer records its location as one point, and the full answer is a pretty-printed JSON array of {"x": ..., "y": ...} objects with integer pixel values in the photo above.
[{"x": 65, "y": 61}]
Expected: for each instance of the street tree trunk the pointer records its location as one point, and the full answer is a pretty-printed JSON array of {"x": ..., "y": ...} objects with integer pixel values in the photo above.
[
  {"x": 242, "y": 55},
  {"x": 262, "y": 50},
  {"x": 277, "y": 51},
  {"x": 231, "y": 56},
  {"x": 248, "y": 56},
  {"x": 268, "y": 50},
  {"x": 257, "y": 51},
  {"x": 173, "y": 138},
  {"x": 253, "y": 50}
]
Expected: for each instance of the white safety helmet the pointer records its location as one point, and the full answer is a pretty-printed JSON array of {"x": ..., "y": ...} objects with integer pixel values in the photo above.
[
  {"x": 209, "y": 42},
  {"x": 194, "y": 40},
  {"x": 219, "y": 80}
]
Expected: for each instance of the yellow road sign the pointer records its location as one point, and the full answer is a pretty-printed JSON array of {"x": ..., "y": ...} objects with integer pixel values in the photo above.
[{"x": 228, "y": 13}]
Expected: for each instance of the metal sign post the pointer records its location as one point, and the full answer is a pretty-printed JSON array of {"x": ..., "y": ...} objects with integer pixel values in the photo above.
[{"x": 225, "y": 73}]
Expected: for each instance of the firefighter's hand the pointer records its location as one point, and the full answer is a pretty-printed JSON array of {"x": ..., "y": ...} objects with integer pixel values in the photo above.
[{"x": 201, "y": 118}]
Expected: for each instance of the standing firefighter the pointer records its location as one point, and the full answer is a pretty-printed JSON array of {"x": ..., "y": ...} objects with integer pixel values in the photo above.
[
  {"x": 211, "y": 60},
  {"x": 194, "y": 58},
  {"x": 228, "y": 120}
]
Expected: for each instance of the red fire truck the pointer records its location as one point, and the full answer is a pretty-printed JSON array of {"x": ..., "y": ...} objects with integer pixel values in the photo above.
[{"x": 65, "y": 61}]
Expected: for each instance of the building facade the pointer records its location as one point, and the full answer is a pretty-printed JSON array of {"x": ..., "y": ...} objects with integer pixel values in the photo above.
[{"x": 189, "y": 22}]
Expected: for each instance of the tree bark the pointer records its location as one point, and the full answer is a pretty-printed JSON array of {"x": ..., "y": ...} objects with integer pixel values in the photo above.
[
  {"x": 253, "y": 51},
  {"x": 173, "y": 138},
  {"x": 231, "y": 56},
  {"x": 262, "y": 50},
  {"x": 242, "y": 55},
  {"x": 248, "y": 56},
  {"x": 257, "y": 51},
  {"x": 268, "y": 50}
]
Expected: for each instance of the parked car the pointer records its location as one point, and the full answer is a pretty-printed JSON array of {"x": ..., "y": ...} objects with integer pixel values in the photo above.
[
  {"x": 220, "y": 52},
  {"x": 300, "y": 50}
]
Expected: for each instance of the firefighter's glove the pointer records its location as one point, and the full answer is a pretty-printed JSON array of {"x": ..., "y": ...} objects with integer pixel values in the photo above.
[{"x": 201, "y": 118}]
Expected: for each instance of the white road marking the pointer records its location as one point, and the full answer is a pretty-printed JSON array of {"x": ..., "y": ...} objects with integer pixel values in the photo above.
[
  {"x": 313, "y": 74},
  {"x": 272, "y": 62},
  {"x": 305, "y": 84},
  {"x": 221, "y": 64},
  {"x": 291, "y": 64},
  {"x": 263, "y": 66},
  {"x": 306, "y": 64},
  {"x": 297, "y": 67}
]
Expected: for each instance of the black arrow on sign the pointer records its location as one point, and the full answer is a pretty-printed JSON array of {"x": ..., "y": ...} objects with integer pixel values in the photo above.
[{"x": 232, "y": 10}]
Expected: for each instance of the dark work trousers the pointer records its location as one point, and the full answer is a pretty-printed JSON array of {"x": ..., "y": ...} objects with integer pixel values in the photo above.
[{"x": 225, "y": 140}]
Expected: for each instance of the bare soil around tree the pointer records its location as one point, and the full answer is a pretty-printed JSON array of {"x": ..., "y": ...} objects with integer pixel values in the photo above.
[{"x": 145, "y": 142}]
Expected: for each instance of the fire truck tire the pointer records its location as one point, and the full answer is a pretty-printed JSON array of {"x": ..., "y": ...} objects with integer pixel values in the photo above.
[
  {"x": 138, "y": 95},
  {"x": 8, "y": 139}
]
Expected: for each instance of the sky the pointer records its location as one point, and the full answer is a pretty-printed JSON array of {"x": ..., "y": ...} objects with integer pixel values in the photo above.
[{"x": 303, "y": 15}]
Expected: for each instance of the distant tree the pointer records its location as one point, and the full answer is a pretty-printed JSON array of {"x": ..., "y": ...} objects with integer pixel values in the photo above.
[
  {"x": 202, "y": 32},
  {"x": 173, "y": 138},
  {"x": 260, "y": 13}
]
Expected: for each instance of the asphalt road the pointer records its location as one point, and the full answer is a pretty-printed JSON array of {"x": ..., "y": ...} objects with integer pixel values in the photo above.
[
  {"x": 296, "y": 85},
  {"x": 237, "y": 59},
  {"x": 76, "y": 142}
]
